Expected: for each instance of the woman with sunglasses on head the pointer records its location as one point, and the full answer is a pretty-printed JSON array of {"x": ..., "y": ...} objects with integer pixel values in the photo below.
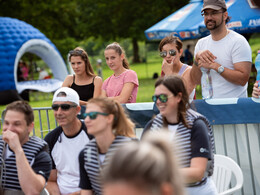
[
  {"x": 171, "y": 50},
  {"x": 108, "y": 123},
  {"x": 84, "y": 81},
  {"x": 190, "y": 131},
  {"x": 123, "y": 84}
]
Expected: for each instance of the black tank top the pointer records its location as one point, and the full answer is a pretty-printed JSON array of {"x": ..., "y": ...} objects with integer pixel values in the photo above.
[{"x": 85, "y": 92}]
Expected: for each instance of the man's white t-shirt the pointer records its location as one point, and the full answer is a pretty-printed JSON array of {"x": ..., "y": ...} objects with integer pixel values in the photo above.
[
  {"x": 232, "y": 49},
  {"x": 65, "y": 155}
]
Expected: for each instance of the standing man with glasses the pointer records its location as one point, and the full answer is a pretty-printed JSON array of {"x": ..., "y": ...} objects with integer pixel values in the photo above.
[
  {"x": 25, "y": 162},
  {"x": 65, "y": 142},
  {"x": 226, "y": 53}
]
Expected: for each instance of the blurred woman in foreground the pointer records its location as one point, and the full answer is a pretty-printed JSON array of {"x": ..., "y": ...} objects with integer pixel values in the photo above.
[{"x": 148, "y": 167}]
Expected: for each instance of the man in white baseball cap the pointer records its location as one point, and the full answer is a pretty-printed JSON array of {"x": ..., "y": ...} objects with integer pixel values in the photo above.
[{"x": 65, "y": 142}]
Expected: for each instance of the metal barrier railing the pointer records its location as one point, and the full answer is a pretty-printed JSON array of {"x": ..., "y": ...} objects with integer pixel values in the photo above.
[
  {"x": 235, "y": 125},
  {"x": 44, "y": 121}
]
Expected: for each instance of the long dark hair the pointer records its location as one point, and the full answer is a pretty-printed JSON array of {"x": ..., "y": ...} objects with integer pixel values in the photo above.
[
  {"x": 84, "y": 56},
  {"x": 175, "y": 85}
]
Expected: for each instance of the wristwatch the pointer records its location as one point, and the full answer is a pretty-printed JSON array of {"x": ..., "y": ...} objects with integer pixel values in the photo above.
[{"x": 221, "y": 69}]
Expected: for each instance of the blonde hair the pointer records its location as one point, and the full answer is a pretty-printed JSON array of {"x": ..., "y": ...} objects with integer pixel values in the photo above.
[
  {"x": 118, "y": 49},
  {"x": 147, "y": 164},
  {"x": 122, "y": 124}
]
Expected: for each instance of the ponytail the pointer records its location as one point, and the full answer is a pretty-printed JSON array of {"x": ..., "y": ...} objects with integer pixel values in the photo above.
[
  {"x": 122, "y": 124},
  {"x": 118, "y": 49}
]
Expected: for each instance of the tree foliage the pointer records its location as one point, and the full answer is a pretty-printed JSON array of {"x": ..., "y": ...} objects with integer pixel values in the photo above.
[
  {"x": 123, "y": 18},
  {"x": 80, "y": 19}
]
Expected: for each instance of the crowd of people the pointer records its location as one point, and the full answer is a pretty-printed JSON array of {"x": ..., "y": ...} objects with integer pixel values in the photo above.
[{"x": 101, "y": 154}]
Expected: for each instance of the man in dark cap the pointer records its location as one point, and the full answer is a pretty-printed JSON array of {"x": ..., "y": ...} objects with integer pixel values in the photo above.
[{"x": 226, "y": 53}]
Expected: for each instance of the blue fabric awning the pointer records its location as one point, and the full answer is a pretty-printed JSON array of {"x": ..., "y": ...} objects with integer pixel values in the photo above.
[
  {"x": 188, "y": 23},
  {"x": 181, "y": 22}
]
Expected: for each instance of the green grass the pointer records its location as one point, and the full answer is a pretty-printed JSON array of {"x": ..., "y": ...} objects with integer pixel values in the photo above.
[
  {"x": 145, "y": 73},
  {"x": 255, "y": 45}
]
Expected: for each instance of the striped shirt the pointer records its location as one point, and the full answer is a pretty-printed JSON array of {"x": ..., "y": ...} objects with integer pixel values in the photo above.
[
  {"x": 183, "y": 139},
  {"x": 90, "y": 165},
  {"x": 31, "y": 149}
]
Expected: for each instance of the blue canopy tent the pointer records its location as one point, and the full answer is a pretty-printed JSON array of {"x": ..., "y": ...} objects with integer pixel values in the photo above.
[
  {"x": 187, "y": 22},
  {"x": 245, "y": 17},
  {"x": 184, "y": 23}
]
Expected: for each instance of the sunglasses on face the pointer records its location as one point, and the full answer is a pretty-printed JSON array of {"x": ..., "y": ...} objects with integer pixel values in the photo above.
[
  {"x": 162, "y": 97},
  {"x": 75, "y": 52},
  {"x": 172, "y": 52},
  {"x": 62, "y": 106},
  {"x": 93, "y": 115}
]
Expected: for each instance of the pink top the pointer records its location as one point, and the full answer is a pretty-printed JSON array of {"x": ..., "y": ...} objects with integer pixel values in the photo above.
[{"x": 113, "y": 85}]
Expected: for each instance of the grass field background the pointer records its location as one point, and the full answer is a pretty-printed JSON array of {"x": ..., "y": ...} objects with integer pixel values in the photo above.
[{"x": 145, "y": 73}]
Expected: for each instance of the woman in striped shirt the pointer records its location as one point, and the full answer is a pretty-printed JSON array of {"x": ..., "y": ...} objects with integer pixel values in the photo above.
[
  {"x": 190, "y": 131},
  {"x": 108, "y": 123}
]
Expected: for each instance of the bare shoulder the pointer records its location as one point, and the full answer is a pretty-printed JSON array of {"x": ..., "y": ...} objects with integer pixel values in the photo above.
[
  {"x": 186, "y": 72},
  {"x": 97, "y": 80},
  {"x": 68, "y": 81}
]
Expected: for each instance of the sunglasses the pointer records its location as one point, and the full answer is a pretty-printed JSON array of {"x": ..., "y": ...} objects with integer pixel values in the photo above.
[
  {"x": 75, "y": 52},
  {"x": 162, "y": 97},
  {"x": 62, "y": 106},
  {"x": 93, "y": 115},
  {"x": 172, "y": 52}
]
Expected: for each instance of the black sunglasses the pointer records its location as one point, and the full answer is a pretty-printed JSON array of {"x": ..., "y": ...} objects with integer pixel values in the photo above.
[
  {"x": 62, "y": 106},
  {"x": 162, "y": 97},
  {"x": 75, "y": 52},
  {"x": 93, "y": 115},
  {"x": 172, "y": 52}
]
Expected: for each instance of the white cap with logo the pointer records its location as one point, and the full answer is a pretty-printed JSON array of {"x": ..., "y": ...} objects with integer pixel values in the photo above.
[{"x": 66, "y": 94}]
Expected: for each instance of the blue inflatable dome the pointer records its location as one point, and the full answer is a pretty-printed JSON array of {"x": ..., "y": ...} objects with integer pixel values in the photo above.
[{"x": 16, "y": 39}]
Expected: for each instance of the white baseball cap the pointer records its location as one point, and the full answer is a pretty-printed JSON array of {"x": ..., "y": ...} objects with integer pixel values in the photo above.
[{"x": 68, "y": 95}]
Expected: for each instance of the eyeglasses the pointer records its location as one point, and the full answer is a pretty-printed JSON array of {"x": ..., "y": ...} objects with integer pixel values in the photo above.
[
  {"x": 93, "y": 115},
  {"x": 75, "y": 52},
  {"x": 62, "y": 106},
  {"x": 212, "y": 14},
  {"x": 163, "y": 54},
  {"x": 162, "y": 97}
]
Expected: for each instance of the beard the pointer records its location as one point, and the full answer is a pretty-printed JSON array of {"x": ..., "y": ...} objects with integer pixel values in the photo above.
[{"x": 214, "y": 24}]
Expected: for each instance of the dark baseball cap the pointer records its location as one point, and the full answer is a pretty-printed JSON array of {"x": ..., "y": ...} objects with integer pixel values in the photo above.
[{"x": 214, "y": 4}]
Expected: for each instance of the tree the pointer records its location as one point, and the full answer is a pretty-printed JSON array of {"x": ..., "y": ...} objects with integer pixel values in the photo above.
[
  {"x": 78, "y": 20},
  {"x": 56, "y": 19},
  {"x": 123, "y": 18}
]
